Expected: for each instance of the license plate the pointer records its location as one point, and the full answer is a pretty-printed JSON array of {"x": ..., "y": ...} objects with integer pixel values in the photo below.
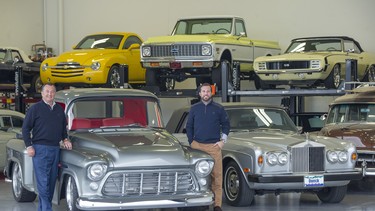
[{"x": 314, "y": 181}]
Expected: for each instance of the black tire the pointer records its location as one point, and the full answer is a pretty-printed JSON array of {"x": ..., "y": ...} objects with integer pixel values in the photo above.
[
  {"x": 153, "y": 79},
  {"x": 236, "y": 190},
  {"x": 332, "y": 194},
  {"x": 203, "y": 208},
  {"x": 260, "y": 84},
  {"x": 20, "y": 194},
  {"x": 370, "y": 75},
  {"x": 114, "y": 79},
  {"x": 71, "y": 194},
  {"x": 233, "y": 75},
  {"x": 36, "y": 84},
  {"x": 333, "y": 80}
]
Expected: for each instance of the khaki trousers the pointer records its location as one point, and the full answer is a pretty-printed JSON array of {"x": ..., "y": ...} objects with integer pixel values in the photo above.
[{"x": 217, "y": 172}]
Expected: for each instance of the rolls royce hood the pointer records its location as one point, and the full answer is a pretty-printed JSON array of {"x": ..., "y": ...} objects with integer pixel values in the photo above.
[
  {"x": 272, "y": 140},
  {"x": 133, "y": 148},
  {"x": 362, "y": 135}
]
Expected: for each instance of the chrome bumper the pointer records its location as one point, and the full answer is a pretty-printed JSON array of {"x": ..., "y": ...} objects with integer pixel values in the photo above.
[{"x": 121, "y": 204}]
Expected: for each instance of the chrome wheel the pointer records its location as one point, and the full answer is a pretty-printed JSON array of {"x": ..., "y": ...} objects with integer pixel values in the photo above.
[
  {"x": 17, "y": 180},
  {"x": 371, "y": 74},
  {"x": 114, "y": 77},
  {"x": 232, "y": 183},
  {"x": 336, "y": 76}
]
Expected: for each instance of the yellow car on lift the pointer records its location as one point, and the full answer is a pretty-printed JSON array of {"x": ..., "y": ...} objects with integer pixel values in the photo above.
[{"x": 96, "y": 61}]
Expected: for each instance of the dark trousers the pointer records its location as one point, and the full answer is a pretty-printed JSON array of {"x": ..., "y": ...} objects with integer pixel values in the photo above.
[{"x": 45, "y": 163}]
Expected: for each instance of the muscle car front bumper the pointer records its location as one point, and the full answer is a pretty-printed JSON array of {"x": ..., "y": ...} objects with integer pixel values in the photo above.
[{"x": 139, "y": 202}]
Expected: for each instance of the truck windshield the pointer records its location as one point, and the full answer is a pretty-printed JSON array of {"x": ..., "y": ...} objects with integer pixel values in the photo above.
[
  {"x": 203, "y": 26},
  {"x": 100, "y": 41}
]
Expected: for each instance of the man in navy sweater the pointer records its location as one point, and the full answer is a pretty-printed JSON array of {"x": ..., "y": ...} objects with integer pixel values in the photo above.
[
  {"x": 43, "y": 129},
  {"x": 207, "y": 129}
]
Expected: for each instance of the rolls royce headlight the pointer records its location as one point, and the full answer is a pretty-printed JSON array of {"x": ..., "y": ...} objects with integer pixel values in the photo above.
[
  {"x": 97, "y": 171},
  {"x": 343, "y": 156},
  {"x": 95, "y": 66},
  {"x": 203, "y": 168},
  {"x": 272, "y": 159},
  {"x": 206, "y": 50},
  {"x": 44, "y": 67},
  {"x": 283, "y": 158},
  {"x": 332, "y": 156},
  {"x": 146, "y": 51},
  {"x": 315, "y": 64}
]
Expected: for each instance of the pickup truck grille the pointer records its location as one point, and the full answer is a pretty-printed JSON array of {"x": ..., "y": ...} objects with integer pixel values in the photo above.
[
  {"x": 288, "y": 65},
  {"x": 150, "y": 183},
  {"x": 176, "y": 50},
  {"x": 308, "y": 159}
]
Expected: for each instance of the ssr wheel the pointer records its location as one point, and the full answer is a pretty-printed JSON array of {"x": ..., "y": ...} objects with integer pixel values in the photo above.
[
  {"x": 332, "y": 194},
  {"x": 20, "y": 194},
  {"x": 236, "y": 190},
  {"x": 71, "y": 194},
  {"x": 334, "y": 78},
  {"x": 36, "y": 84},
  {"x": 113, "y": 79}
]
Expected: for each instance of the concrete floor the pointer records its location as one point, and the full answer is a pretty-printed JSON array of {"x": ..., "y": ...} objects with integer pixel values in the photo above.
[{"x": 360, "y": 197}]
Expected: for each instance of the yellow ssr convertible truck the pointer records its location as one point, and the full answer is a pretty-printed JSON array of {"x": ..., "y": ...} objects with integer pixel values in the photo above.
[{"x": 198, "y": 47}]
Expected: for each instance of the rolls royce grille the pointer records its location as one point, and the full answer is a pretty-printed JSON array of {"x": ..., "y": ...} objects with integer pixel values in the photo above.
[
  {"x": 281, "y": 65},
  {"x": 150, "y": 183},
  {"x": 176, "y": 50},
  {"x": 308, "y": 159}
]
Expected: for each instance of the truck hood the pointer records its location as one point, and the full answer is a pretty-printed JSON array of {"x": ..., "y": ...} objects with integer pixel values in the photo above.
[
  {"x": 186, "y": 39},
  {"x": 361, "y": 134},
  {"x": 82, "y": 56},
  {"x": 132, "y": 149}
]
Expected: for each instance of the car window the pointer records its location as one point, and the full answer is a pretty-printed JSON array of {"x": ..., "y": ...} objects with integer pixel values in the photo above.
[
  {"x": 351, "y": 113},
  {"x": 239, "y": 27},
  {"x": 351, "y": 46},
  {"x": 106, "y": 41},
  {"x": 106, "y": 112},
  {"x": 130, "y": 41},
  {"x": 11, "y": 121}
]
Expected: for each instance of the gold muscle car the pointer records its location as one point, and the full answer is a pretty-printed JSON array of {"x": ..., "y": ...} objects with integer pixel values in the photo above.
[{"x": 314, "y": 61}]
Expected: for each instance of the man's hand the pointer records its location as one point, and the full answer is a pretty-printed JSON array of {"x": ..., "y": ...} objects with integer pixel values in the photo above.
[
  {"x": 67, "y": 144},
  {"x": 220, "y": 144},
  {"x": 30, "y": 151}
]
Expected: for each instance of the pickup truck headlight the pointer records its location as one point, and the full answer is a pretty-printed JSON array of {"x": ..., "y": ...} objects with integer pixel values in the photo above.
[
  {"x": 203, "y": 168},
  {"x": 146, "y": 51},
  {"x": 206, "y": 50},
  {"x": 95, "y": 66},
  {"x": 97, "y": 171}
]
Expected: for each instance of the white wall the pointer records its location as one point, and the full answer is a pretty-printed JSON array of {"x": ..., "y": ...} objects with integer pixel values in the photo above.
[{"x": 67, "y": 21}]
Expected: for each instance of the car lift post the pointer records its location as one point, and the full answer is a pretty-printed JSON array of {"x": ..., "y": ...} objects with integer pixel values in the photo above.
[
  {"x": 350, "y": 73},
  {"x": 124, "y": 76},
  {"x": 224, "y": 84},
  {"x": 18, "y": 92}
]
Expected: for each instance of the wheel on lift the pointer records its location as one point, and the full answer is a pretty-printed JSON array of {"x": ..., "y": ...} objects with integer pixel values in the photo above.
[
  {"x": 233, "y": 75},
  {"x": 114, "y": 78},
  {"x": 36, "y": 84},
  {"x": 153, "y": 79},
  {"x": 260, "y": 84},
  {"x": 334, "y": 78},
  {"x": 370, "y": 75}
]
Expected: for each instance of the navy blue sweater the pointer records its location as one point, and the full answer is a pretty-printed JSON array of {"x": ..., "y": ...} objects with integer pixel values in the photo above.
[
  {"x": 47, "y": 127},
  {"x": 206, "y": 122}
]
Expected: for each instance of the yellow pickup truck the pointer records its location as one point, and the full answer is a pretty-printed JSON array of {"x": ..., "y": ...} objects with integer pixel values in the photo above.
[{"x": 198, "y": 47}]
